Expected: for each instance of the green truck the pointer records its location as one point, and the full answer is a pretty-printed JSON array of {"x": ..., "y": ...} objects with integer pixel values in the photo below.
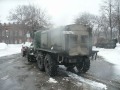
[
  {"x": 105, "y": 43},
  {"x": 70, "y": 46}
]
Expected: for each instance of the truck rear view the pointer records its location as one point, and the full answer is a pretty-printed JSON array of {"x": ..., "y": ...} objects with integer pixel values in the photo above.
[{"x": 70, "y": 46}]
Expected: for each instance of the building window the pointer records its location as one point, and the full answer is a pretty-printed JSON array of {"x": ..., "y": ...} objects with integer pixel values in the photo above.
[
  {"x": 16, "y": 33},
  {"x": 7, "y": 33},
  {"x": 20, "y": 33},
  {"x": 20, "y": 41},
  {"x": 15, "y": 41},
  {"x": 11, "y": 33},
  {"x": 3, "y": 33},
  {"x": 3, "y": 41}
]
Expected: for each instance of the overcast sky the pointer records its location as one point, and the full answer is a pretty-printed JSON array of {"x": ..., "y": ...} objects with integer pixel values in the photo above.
[{"x": 62, "y": 12}]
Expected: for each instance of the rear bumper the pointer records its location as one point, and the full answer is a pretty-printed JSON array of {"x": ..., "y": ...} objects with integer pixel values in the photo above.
[
  {"x": 79, "y": 58},
  {"x": 73, "y": 59}
]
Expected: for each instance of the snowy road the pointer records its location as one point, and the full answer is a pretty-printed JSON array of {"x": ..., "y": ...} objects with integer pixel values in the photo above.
[{"x": 17, "y": 74}]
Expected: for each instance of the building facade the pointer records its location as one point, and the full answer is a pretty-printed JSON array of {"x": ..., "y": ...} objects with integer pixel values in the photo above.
[{"x": 13, "y": 33}]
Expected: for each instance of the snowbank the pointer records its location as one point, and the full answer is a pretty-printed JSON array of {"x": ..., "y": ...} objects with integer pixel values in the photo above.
[
  {"x": 3, "y": 46},
  {"x": 118, "y": 46},
  {"x": 10, "y": 49},
  {"x": 110, "y": 55}
]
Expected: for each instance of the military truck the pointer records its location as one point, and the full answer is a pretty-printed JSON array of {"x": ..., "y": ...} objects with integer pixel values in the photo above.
[
  {"x": 105, "y": 43},
  {"x": 70, "y": 45}
]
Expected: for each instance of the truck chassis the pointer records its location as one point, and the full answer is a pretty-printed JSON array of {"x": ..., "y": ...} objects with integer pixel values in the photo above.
[{"x": 49, "y": 61}]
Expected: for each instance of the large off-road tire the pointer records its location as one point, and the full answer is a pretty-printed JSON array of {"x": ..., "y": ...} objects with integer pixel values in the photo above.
[
  {"x": 84, "y": 65},
  {"x": 50, "y": 66},
  {"x": 40, "y": 61}
]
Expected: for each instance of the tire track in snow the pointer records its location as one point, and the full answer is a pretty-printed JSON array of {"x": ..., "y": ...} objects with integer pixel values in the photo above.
[{"x": 93, "y": 84}]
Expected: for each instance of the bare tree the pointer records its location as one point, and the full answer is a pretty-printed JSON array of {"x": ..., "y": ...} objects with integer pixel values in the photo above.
[
  {"x": 30, "y": 16},
  {"x": 109, "y": 12},
  {"x": 86, "y": 19},
  {"x": 117, "y": 8},
  {"x": 105, "y": 25}
]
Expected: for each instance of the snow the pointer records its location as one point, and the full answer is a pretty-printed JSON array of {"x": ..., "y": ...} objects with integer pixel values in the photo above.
[
  {"x": 5, "y": 77},
  {"x": 11, "y": 61},
  {"x": 51, "y": 80},
  {"x": 110, "y": 55},
  {"x": 3, "y": 46},
  {"x": 65, "y": 78},
  {"x": 27, "y": 44},
  {"x": 9, "y": 49},
  {"x": 87, "y": 81},
  {"x": 92, "y": 83}
]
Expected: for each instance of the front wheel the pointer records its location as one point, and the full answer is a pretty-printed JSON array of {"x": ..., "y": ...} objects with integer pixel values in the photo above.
[
  {"x": 50, "y": 66},
  {"x": 84, "y": 65}
]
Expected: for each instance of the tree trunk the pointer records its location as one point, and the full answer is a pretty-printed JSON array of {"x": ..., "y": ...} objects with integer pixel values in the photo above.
[
  {"x": 110, "y": 21},
  {"x": 118, "y": 22}
]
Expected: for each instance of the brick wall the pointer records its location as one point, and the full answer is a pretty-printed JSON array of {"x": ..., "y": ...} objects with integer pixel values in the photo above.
[{"x": 13, "y": 33}]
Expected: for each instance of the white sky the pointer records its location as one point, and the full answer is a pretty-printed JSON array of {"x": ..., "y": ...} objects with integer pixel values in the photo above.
[{"x": 62, "y": 12}]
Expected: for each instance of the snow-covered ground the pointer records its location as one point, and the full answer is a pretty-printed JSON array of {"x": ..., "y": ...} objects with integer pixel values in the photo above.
[
  {"x": 9, "y": 49},
  {"x": 110, "y": 55},
  {"x": 52, "y": 80},
  {"x": 93, "y": 84}
]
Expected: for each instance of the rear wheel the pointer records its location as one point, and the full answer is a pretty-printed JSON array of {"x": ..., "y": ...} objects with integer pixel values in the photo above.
[
  {"x": 40, "y": 61},
  {"x": 83, "y": 66},
  {"x": 50, "y": 66}
]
